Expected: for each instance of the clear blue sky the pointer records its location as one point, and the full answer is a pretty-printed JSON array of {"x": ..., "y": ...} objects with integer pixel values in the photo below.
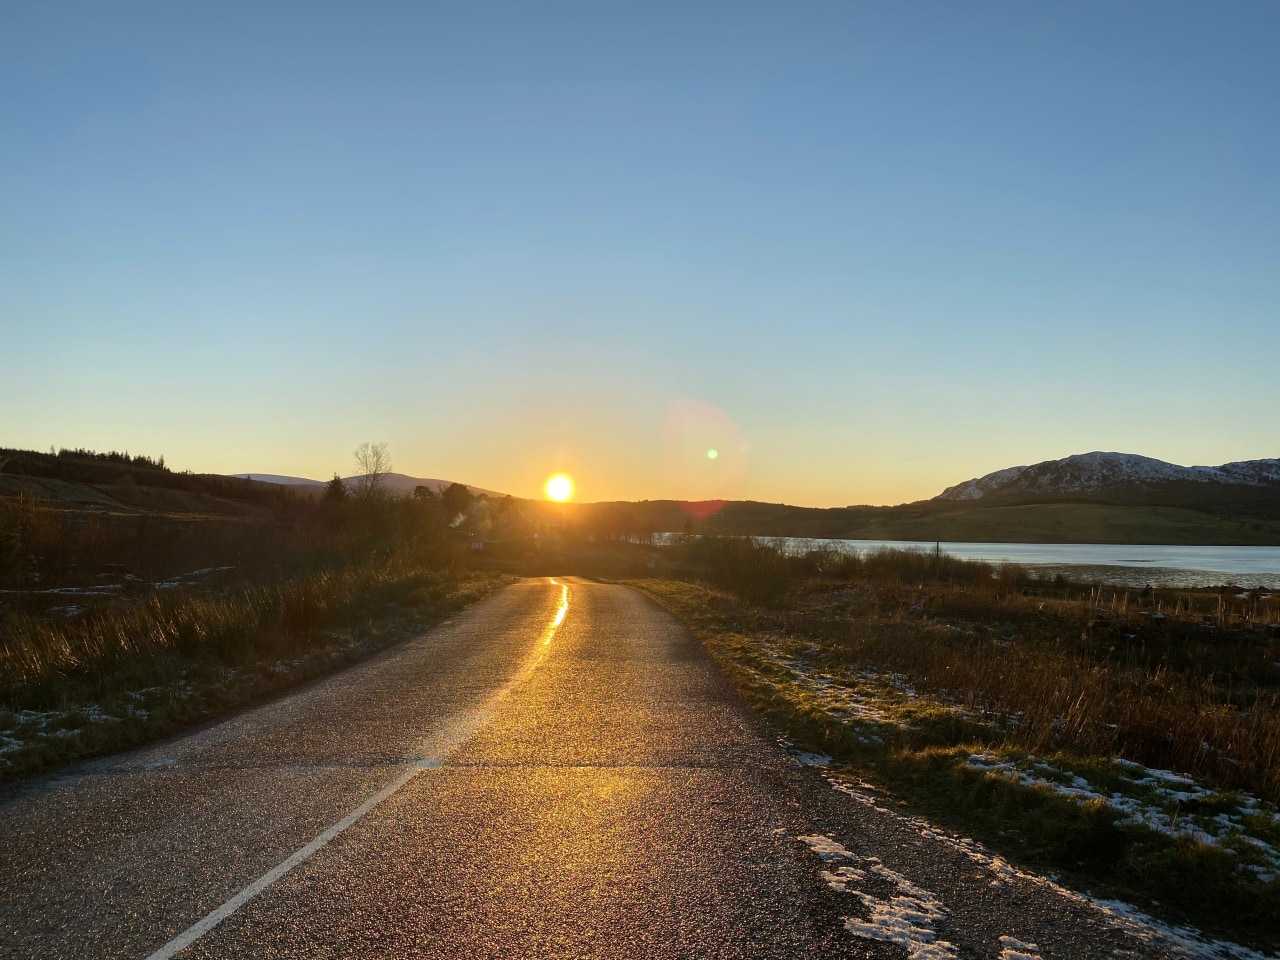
[{"x": 864, "y": 250}]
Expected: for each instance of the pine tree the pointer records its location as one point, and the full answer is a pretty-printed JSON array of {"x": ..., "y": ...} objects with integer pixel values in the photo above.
[{"x": 334, "y": 490}]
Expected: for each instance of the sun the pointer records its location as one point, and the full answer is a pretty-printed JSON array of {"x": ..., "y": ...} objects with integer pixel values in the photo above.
[{"x": 559, "y": 487}]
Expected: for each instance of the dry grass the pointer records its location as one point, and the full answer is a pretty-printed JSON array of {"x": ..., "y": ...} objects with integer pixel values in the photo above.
[
  {"x": 99, "y": 606},
  {"x": 130, "y": 673},
  {"x": 905, "y": 681},
  {"x": 1177, "y": 679},
  {"x": 43, "y": 662},
  {"x": 1166, "y": 692}
]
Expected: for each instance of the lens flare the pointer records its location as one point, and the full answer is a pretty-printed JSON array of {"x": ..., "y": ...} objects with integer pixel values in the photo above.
[
  {"x": 559, "y": 487},
  {"x": 713, "y": 453}
]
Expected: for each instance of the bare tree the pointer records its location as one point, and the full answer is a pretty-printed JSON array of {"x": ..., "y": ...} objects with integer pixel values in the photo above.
[{"x": 373, "y": 463}]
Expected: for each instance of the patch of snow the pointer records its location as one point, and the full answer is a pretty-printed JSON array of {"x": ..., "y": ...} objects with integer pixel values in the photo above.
[
  {"x": 1092, "y": 471},
  {"x": 812, "y": 759},
  {"x": 95, "y": 714},
  {"x": 979, "y": 487},
  {"x": 860, "y": 791},
  {"x": 833, "y": 695},
  {"x": 840, "y": 878},
  {"x": 1162, "y": 815},
  {"x": 1182, "y": 942},
  {"x": 908, "y": 917},
  {"x": 1013, "y": 949},
  {"x": 825, "y": 847},
  {"x": 867, "y": 700},
  {"x": 35, "y": 718}
]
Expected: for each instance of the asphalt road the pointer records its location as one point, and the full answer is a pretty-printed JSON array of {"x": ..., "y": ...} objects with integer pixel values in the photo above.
[{"x": 558, "y": 771}]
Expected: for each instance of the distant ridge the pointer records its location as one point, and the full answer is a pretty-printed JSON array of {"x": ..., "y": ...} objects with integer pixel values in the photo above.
[
  {"x": 1092, "y": 472},
  {"x": 1094, "y": 497},
  {"x": 278, "y": 478},
  {"x": 398, "y": 483},
  {"x": 1091, "y": 498}
]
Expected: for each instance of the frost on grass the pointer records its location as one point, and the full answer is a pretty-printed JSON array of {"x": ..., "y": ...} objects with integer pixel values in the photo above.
[
  {"x": 907, "y": 916},
  {"x": 877, "y": 708},
  {"x": 1158, "y": 800},
  {"x": 1174, "y": 941},
  {"x": 871, "y": 703},
  {"x": 28, "y": 729}
]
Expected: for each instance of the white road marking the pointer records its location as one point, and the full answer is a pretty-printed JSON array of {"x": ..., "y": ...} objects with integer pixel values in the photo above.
[
  {"x": 458, "y": 733},
  {"x": 199, "y": 929}
]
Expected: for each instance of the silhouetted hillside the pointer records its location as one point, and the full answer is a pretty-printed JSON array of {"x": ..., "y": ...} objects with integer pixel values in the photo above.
[{"x": 120, "y": 482}]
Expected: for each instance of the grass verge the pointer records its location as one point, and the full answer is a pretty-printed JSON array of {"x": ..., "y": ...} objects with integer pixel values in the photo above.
[
  {"x": 888, "y": 695},
  {"x": 124, "y": 675}
]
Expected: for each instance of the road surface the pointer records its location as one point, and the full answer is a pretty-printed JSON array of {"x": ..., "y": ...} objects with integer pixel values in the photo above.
[{"x": 558, "y": 771}]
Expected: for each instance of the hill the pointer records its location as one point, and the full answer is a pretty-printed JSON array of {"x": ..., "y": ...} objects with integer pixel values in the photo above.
[
  {"x": 399, "y": 484},
  {"x": 1087, "y": 498},
  {"x": 121, "y": 484},
  {"x": 124, "y": 484},
  {"x": 280, "y": 479},
  {"x": 1098, "y": 471},
  {"x": 1066, "y": 521}
]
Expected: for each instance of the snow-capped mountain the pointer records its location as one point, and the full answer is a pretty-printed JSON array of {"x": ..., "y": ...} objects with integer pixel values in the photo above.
[{"x": 1096, "y": 471}]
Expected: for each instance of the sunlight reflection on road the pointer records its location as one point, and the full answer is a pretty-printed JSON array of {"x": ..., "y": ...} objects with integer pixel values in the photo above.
[{"x": 561, "y": 612}]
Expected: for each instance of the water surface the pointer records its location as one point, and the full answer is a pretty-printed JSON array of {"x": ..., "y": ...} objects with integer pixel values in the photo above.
[{"x": 1124, "y": 564}]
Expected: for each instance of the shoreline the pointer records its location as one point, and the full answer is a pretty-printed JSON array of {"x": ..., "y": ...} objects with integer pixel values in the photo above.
[
  {"x": 1125, "y": 565},
  {"x": 1138, "y": 577}
]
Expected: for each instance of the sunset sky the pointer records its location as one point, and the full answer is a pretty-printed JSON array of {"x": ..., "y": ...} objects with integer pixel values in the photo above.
[{"x": 863, "y": 251}]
